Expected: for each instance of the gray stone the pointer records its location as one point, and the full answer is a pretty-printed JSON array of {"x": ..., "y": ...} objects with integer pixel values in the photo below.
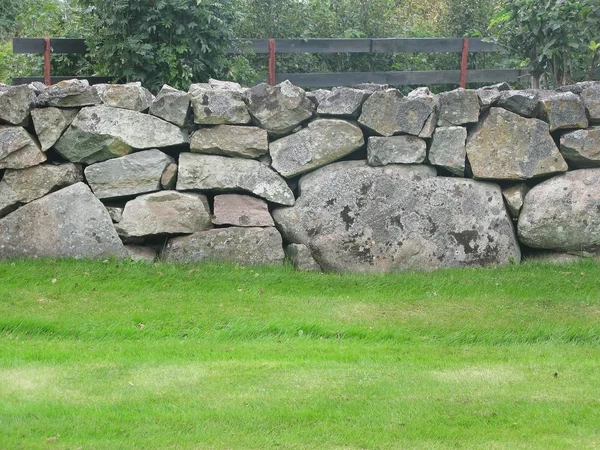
[
  {"x": 230, "y": 140},
  {"x": 115, "y": 212},
  {"x": 514, "y": 196},
  {"x": 223, "y": 174},
  {"x": 301, "y": 258},
  {"x": 506, "y": 146},
  {"x": 523, "y": 103},
  {"x": 429, "y": 127},
  {"x": 140, "y": 253},
  {"x": 562, "y": 110},
  {"x": 99, "y": 133},
  {"x": 419, "y": 92},
  {"x": 26, "y": 185},
  {"x": 396, "y": 150},
  {"x": 213, "y": 106},
  {"x": 226, "y": 85},
  {"x": 37, "y": 87},
  {"x": 555, "y": 258},
  {"x": 171, "y": 105},
  {"x": 388, "y": 112},
  {"x": 503, "y": 86},
  {"x": 458, "y": 107},
  {"x": 133, "y": 174},
  {"x": 165, "y": 212},
  {"x": 127, "y": 96},
  {"x": 563, "y": 213},
  {"x": 488, "y": 97},
  {"x": 19, "y": 149},
  {"x": 343, "y": 102},
  {"x": 50, "y": 123},
  {"x": 241, "y": 211},
  {"x": 380, "y": 219},
  {"x": 324, "y": 141},
  {"x": 15, "y": 104},
  {"x": 69, "y": 94},
  {"x": 247, "y": 246},
  {"x": 591, "y": 99},
  {"x": 279, "y": 109},
  {"x": 318, "y": 95},
  {"x": 70, "y": 223},
  {"x": 168, "y": 179},
  {"x": 448, "y": 149},
  {"x": 581, "y": 148},
  {"x": 370, "y": 87}
]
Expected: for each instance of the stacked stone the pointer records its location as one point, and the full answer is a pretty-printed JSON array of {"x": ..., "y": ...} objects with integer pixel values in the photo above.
[{"x": 358, "y": 179}]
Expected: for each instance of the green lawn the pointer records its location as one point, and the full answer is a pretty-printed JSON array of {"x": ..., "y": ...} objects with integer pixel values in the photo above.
[{"x": 111, "y": 355}]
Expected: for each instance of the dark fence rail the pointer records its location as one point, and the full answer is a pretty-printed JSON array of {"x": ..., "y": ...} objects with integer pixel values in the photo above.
[{"x": 47, "y": 46}]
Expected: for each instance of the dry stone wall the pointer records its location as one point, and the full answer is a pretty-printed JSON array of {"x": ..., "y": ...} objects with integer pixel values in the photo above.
[{"x": 360, "y": 179}]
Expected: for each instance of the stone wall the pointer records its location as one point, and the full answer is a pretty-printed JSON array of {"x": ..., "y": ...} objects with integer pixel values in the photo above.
[{"x": 358, "y": 179}]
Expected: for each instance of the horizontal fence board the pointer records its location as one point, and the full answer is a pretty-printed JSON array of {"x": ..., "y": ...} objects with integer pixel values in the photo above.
[
  {"x": 92, "y": 80},
  {"x": 431, "y": 45},
  {"x": 58, "y": 45},
  {"x": 399, "y": 78}
]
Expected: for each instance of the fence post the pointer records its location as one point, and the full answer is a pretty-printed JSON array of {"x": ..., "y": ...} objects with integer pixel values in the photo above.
[
  {"x": 272, "y": 62},
  {"x": 463, "y": 65},
  {"x": 47, "y": 50}
]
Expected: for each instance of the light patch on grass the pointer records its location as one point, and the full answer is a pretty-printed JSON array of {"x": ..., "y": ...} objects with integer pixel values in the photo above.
[
  {"x": 498, "y": 374},
  {"x": 27, "y": 380}
]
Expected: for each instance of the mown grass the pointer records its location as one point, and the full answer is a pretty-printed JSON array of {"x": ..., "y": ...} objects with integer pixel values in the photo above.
[{"x": 124, "y": 355}]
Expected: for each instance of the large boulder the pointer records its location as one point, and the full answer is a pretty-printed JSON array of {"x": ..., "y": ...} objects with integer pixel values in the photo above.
[
  {"x": 388, "y": 112},
  {"x": 448, "y": 149},
  {"x": 279, "y": 109},
  {"x": 133, "y": 174},
  {"x": 24, "y": 186},
  {"x": 70, "y": 223},
  {"x": 562, "y": 110},
  {"x": 591, "y": 99},
  {"x": 247, "y": 246},
  {"x": 230, "y": 140},
  {"x": 166, "y": 212},
  {"x": 127, "y": 96},
  {"x": 396, "y": 150},
  {"x": 343, "y": 102},
  {"x": 379, "y": 219},
  {"x": 19, "y": 149},
  {"x": 50, "y": 124},
  {"x": 223, "y": 174},
  {"x": 99, "y": 133},
  {"x": 506, "y": 146},
  {"x": 69, "y": 94},
  {"x": 15, "y": 104},
  {"x": 458, "y": 107},
  {"x": 171, "y": 105},
  {"x": 241, "y": 211},
  {"x": 324, "y": 141},
  {"x": 581, "y": 148},
  {"x": 218, "y": 105},
  {"x": 563, "y": 213}
]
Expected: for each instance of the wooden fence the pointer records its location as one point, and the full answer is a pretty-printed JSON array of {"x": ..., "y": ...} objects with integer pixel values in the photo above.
[{"x": 273, "y": 47}]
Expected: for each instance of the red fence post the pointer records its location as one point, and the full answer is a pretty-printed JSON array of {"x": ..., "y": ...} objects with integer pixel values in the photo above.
[
  {"x": 463, "y": 65},
  {"x": 272, "y": 62},
  {"x": 47, "y": 81}
]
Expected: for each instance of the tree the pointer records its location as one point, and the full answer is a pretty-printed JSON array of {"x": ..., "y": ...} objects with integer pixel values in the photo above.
[
  {"x": 556, "y": 39},
  {"x": 164, "y": 41}
]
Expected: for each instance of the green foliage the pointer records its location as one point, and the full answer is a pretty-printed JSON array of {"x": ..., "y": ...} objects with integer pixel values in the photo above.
[
  {"x": 554, "y": 38},
  {"x": 164, "y": 41}
]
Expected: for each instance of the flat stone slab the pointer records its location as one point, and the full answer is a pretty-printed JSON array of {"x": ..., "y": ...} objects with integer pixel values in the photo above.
[
  {"x": 99, "y": 133},
  {"x": 218, "y": 105},
  {"x": 506, "y": 146},
  {"x": 357, "y": 218},
  {"x": 69, "y": 94},
  {"x": 230, "y": 140},
  {"x": 247, "y": 246},
  {"x": 127, "y": 96},
  {"x": 241, "y": 211},
  {"x": 324, "y": 141},
  {"x": 69, "y": 223},
  {"x": 396, "y": 150},
  {"x": 223, "y": 174},
  {"x": 137, "y": 173},
  {"x": 343, "y": 102},
  {"x": 166, "y": 212},
  {"x": 581, "y": 148},
  {"x": 563, "y": 213}
]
